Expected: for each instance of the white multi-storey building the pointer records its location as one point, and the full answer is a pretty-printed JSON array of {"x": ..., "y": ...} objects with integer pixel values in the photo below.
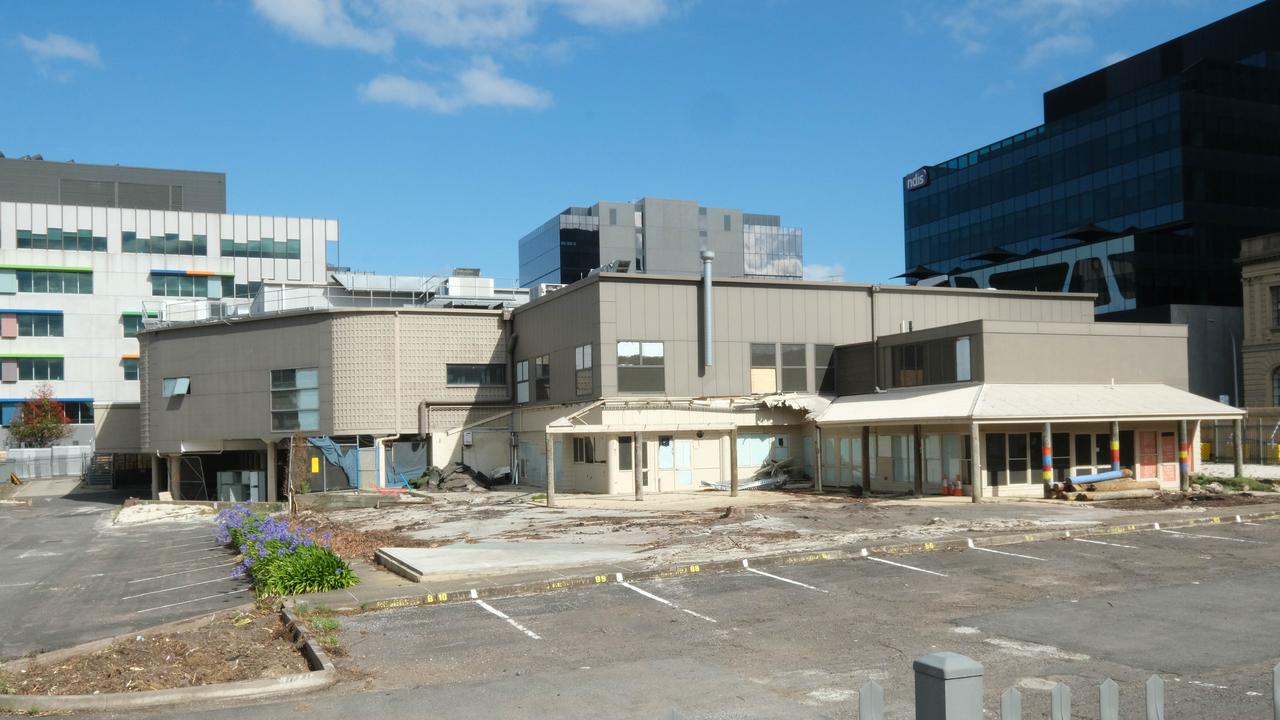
[{"x": 77, "y": 282}]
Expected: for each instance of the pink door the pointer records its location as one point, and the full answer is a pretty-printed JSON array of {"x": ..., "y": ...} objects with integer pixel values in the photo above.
[
  {"x": 1148, "y": 457},
  {"x": 1168, "y": 456}
]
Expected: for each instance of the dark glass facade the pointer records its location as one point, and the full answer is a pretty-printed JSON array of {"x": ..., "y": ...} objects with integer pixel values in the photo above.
[
  {"x": 564, "y": 249},
  {"x": 1184, "y": 137}
]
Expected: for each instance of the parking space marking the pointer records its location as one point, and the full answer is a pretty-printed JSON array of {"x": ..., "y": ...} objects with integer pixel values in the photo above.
[
  {"x": 182, "y": 572},
  {"x": 1099, "y": 542},
  {"x": 1213, "y": 537},
  {"x": 206, "y": 543},
  {"x": 746, "y": 566},
  {"x": 38, "y": 554},
  {"x": 180, "y": 587},
  {"x": 190, "y": 560},
  {"x": 867, "y": 556},
  {"x": 651, "y": 596},
  {"x": 188, "y": 602},
  {"x": 504, "y": 616},
  {"x": 1002, "y": 552}
]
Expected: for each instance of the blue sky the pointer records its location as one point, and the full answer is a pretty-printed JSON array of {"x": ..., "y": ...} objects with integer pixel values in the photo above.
[{"x": 440, "y": 131}]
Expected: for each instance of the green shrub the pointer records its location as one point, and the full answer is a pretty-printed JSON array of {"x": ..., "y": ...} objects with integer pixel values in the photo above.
[{"x": 309, "y": 568}]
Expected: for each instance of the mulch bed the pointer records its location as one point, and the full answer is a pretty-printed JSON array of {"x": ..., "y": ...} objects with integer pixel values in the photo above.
[
  {"x": 234, "y": 646},
  {"x": 1166, "y": 501}
]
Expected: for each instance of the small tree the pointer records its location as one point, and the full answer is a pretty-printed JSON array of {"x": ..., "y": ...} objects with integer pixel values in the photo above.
[{"x": 41, "y": 420}]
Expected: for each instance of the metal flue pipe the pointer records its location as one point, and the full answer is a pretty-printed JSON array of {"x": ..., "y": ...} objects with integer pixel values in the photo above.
[{"x": 708, "y": 354}]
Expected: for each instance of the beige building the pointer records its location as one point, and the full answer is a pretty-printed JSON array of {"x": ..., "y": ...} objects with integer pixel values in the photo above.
[
  {"x": 1260, "y": 347},
  {"x": 630, "y": 383}
]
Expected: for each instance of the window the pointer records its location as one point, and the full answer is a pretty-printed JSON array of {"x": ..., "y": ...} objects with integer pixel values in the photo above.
[
  {"x": 1275, "y": 307},
  {"x": 794, "y": 370},
  {"x": 39, "y": 324},
  {"x": 130, "y": 366},
  {"x": 613, "y": 216},
  {"x": 764, "y": 368},
  {"x": 200, "y": 286},
  {"x": 289, "y": 249},
  {"x": 641, "y": 366},
  {"x": 933, "y": 362},
  {"x": 462, "y": 375},
  {"x": 824, "y": 368},
  {"x": 31, "y": 368},
  {"x": 625, "y": 453},
  {"x": 166, "y": 244},
  {"x": 542, "y": 378},
  {"x": 79, "y": 412},
  {"x": 584, "y": 450},
  {"x": 176, "y": 386},
  {"x": 522, "y": 381},
  {"x": 1275, "y": 387},
  {"x": 295, "y": 400},
  {"x": 964, "y": 372},
  {"x": 728, "y": 223},
  {"x": 59, "y": 239},
  {"x": 75, "y": 282},
  {"x": 132, "y": 323},
  {"x": 584, "y": 381}
]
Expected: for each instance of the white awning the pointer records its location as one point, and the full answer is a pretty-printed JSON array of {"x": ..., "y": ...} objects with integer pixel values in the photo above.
[{"x": 1024, "y": 402}]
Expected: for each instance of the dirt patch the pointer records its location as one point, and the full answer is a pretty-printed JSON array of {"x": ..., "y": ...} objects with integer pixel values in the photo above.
[
  {"x": 352, "y": 542},
  {"x": 234, "y": 646},
  {"x": 1169, "y": 501},
  {"x": 151, "y": 512}
]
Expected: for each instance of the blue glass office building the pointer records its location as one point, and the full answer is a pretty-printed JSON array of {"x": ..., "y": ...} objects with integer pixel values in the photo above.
[{"x": 1179, "y": 144}]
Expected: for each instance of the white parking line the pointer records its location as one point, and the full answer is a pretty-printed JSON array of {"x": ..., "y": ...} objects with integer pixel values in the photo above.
[
  {"x": 504, "y": 616},
  {"x": 651, "y": 596},
  {"x": 748, "y": 568},
  {"x": 1002, "y": 552},
  {"x": 180, "y": 587},
  {"x": 181, "y": 572},
  {"x": 187, "y": 602},
  {"x": 207, "y": 543},
  {"x": 196, "y": 552},
  {"x": 867, "y": 556},
  {"x": 1099, "y": 542},
  {"x": 1213, "y": 537}
]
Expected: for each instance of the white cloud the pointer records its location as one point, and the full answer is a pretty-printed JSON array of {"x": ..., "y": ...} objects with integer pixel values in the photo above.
[
  {"x": 1055, "y": 46},
  {"x": 1114, "y": 57},
  {"x": 480, "y": 85},
  {"x": 323, "y": 22},
  {"x": 613, "y": 13},
  {"x": 831, "y": 273},
  {"x": 1049, "y": 28},
  {"x": 55, "y": 47},
  {"x": 443, "y": 23}
]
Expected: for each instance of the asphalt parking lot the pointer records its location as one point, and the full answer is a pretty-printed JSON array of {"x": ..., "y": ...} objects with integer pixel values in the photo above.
[
  {"x": 68, "y": 576},
  {"x": 1196, "y": 606}
]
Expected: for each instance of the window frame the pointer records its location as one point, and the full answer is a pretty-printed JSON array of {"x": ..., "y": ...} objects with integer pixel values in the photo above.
[
  {"x": 584, "y": 370},
  {"x": 304, "y": 394},
  {"x": 757, "y": 369},
  {"x": 522, "y": 382},
  {"x": 542, "y": 378},
  {"x": 493, "y": 374},
  {"x": 645, "y": 366}
]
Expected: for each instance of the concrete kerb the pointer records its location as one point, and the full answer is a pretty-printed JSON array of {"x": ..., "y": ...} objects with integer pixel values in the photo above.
[
  {"x": 258, "y": 507},
  {"x": 605, "y": 576},
  {"x": 322, "y": 675}
]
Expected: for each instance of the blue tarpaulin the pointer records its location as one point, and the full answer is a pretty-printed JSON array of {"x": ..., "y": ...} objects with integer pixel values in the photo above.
[{"x": 348, "y": 460}]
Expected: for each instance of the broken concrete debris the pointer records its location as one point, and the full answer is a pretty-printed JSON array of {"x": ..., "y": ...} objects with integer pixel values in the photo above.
[{"x": 454, "y": 477}]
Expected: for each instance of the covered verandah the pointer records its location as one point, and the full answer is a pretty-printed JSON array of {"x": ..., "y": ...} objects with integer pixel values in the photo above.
[{"x": 1010, "y": 439}]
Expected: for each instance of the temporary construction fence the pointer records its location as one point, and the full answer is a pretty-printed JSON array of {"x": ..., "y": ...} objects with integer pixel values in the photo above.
[
  {"x": 948, "y": 686},
  {"x": 50, "y": 462},
  {"x": 1260, "y": 437}
]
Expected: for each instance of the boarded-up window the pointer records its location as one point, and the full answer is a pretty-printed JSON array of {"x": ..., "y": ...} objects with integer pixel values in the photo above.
[
  {"x": 9, "y": 325},
  {"x": 764, "y": 368},
  {"x": 584, "y": 381}
]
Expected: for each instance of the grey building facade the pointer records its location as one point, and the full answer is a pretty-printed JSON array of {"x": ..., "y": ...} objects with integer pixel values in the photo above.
[
  {"x": 84, "y": 184},
  {"x": 654, "y": 235}
]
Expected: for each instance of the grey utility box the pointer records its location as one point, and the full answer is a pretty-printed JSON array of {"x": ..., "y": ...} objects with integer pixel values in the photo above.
[{"x": 948, "y": 687}]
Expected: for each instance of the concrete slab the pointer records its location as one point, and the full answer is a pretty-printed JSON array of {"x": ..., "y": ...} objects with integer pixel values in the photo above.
[
  {"x": 52, "y": 487},
  {"x": 472, "y": 560}
]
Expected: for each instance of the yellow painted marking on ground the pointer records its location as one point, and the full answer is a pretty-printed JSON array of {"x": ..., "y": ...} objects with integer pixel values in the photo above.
[
  {"x": 694, "y": 568},
  {"x": 928, "y": 546},
  {"x": 1215, "y": 520},
  {"x": 602, "y": 579}
]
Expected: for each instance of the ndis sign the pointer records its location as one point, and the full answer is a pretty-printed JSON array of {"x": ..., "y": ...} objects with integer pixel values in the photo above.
[{"x": 916, "y": 180}]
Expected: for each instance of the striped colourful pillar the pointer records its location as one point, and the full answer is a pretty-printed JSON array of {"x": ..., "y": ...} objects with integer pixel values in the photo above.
[
  {"x": 1184, "y": 458},
  {"x": 1115, "y": 453},
  {"x": 1046, "y": 460}
]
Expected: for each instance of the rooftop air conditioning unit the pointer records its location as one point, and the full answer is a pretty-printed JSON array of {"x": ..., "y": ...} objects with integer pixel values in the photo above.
[{"x": 544, "y": 289}]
